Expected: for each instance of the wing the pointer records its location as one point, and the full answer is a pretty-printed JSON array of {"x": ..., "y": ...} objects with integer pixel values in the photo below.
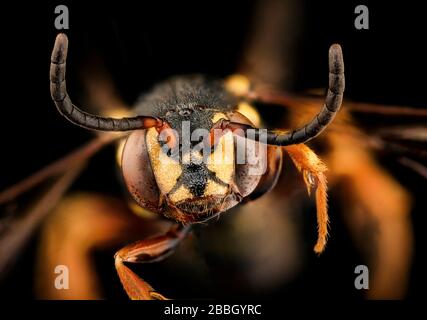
[
  {"x": 18, "y": 223},
  {"x": 396, "y": 131}
]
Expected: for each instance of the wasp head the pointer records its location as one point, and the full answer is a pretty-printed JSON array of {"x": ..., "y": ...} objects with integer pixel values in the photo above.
[{"x": 187, "y": 170}]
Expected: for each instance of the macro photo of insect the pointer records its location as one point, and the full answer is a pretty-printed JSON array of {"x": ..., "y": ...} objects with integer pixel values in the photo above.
[{"x": 263, "y": 149}]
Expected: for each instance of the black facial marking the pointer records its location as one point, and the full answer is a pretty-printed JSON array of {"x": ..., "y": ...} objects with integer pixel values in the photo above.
[
  {"x": 188, "y": 104},
  {"x": 195, "y": 177}
]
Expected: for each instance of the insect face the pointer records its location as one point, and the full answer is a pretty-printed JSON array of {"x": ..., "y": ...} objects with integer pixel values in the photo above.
[{"x": 178, "y": 172}]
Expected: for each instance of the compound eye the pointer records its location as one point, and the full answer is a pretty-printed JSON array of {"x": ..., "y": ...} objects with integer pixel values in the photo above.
[
  {"x": 137, "y": 171},
  {"x": 248, "y": 173}
]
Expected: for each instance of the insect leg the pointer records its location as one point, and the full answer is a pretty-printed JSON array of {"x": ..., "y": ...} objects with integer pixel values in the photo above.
[
  {"x": 149, "y": 250},
  {"x": 81, "y": 224},
  {"x": 313, "y": 170}
]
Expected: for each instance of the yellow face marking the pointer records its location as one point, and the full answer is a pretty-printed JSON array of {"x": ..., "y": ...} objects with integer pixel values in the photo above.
[
  {"x": 214, "y": 188},
  {"x": 221, "y": 161},
  {"x": 249, "y": 112},
  {"x": 166, "y": 170},
  {"x": 181, "y": 194}
]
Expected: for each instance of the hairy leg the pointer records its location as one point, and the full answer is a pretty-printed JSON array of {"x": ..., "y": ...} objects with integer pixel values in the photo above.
[{"x": 313, "y": 170}]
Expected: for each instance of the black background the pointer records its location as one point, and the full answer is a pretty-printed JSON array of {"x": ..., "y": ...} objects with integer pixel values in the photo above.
[{"x": 144, "y": 43}]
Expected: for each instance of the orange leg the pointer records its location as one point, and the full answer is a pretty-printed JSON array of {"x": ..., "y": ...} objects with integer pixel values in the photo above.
[
  {"x": 149, "y": 250},
  {"x": 313, "y": 170},
  {"x": 79, "y": 225}
]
